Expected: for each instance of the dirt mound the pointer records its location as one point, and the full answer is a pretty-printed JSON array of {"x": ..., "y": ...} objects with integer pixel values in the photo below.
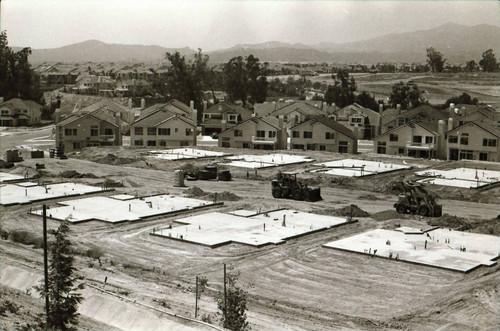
[
  {"x": 386, "y": 215},
  {"x": 109, "y": 183},
  {"x": 369, "y": 197},
  {"x": 345, "y": 211},
  {"x": 5, "y": 165},
  {"x": 449, "y": 221},
  {"x": 70, "y": 174},
  {"x": 114, "y": 160},
  {"x": 194, "y": 192},
  {"x": 28, "y": 172},
  {"x": 225, "y": 196}
]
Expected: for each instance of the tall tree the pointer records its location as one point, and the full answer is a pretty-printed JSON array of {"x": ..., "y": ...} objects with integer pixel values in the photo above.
[
  {"x": 489, "y": 62},
  {"x": 62, "y": 290},
  {"x": 17, "y": 79},
  {"x": 464, "y": 98},
  {"x": 342, "y": 92},
  {"x": 366, "y": 100},
  {"x": 244, "y": 79},
  {"x": 435, "y": 60},
  {"x": 234, "y": 315},
  {"x": 470, "y": 66},
  {"x": 408, "y": 96}
]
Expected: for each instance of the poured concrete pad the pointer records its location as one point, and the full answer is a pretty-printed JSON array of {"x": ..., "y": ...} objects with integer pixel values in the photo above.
[
  {"x": 443, "y": 247},
  {"x": 266, "y": 161},
  {"x": 216, "y": 229},
  {"x": 460, "y": 177},
  {"x": 114, "y": 210},
  {"x": 11, "y": 194},
  {"x": 357, "y": 168},
  {"x": 185, "y": 153},
  {"x": 6, "y": 177}
]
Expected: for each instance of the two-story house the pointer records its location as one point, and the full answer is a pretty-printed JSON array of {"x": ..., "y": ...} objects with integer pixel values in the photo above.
[
  {"x": 17, "y": 112},
  {"x": 222, "y": 116},
  {"x": 322, "y": 134},
  {"x": 256, "y": 133},
  {"x": 170, "y": 124},
  {"x": 473, "y": 140},
  {"x": 392, "y": 120},
  {"x": 297, "y": 112},
  {"x": 363, "y": 122}
]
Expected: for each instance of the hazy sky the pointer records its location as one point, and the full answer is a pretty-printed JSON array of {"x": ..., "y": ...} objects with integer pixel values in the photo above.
[{"x": 219, "y": 24}]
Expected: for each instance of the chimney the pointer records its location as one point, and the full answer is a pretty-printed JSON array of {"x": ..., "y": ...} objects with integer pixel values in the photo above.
[
  {"x": 57, "y": 115},
  {"x": 205, "y": 105},
  {"x": 380, "y": 109},
  {"x": 195, "y": 116},
  {"x": 398, "y": 107},
  {"x": 274, "y": 105},
  {"x": 1, "y": 99},
  {"x": 452, "y": 108},
  {"x": 441, "y": 126},
  {"x": 191, "y": 104},
  {"x": 464, "y": 111},
  {"x": 143, "y": 103},
  {"x": 450, "y": 124},
  {"x": 118, "y": 138},
  {"x": 130, "y": 103},
  {"x": 223, "y": 125},
  {"x": 324, "y": 105},
  {"x": 316, "y": 105},
  {"x": 282, "y": 135}
]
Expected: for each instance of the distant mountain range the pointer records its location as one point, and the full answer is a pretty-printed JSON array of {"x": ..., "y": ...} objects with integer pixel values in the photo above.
[{"x": 458, "y": 43}]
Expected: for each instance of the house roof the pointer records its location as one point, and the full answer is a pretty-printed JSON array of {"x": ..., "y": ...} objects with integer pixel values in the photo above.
[
  {"x": 426, "y": 125},
  {"x": 101, "y": 116},
  {"x": 225, "y": 107},
  {"x": 330, "y": 123},
  {"x": 425, "y": 112},
  {"x": 270, "y": 120},
  {"x": 20, "y": 105},
  {"x": 172, "y": 107},
  {"x": 301, "y": 107},
  {"x": 483, "y": 125},
  {"x": 176, "y": 116},
  {"x": 358, "y": 109}
]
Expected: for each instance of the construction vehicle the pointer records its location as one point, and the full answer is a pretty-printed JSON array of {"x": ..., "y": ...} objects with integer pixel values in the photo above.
[
  {"x": 416, "y": 200},
  {"x": 286, "y": 185}
]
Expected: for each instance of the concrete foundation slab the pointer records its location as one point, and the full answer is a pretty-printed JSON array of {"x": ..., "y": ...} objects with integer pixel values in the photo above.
[
  {"x": 357, "y": 168},
  {"x": 443, "y": 248},
  {"x": 184, "y": 153},
  {"x": 275, "y": 227},
  {"x": 123, "y": 197},
  {"x": 6, "y": 177},
  {"x": 266, "y": 161},
  {"x": 11, "y": 194},
  {"x": 114, "y": 211},
  {"x": 460, "y": 177}
]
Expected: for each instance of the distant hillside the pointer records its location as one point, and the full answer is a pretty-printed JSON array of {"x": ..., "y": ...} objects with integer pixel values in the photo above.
[{"x": 98, "y": 51}]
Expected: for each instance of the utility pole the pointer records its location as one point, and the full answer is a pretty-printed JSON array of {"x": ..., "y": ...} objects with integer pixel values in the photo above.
[
  {"x": 45, "y": 265},
  {"x": 225, "y": 303},
  {"x": 196, "y": 300}
]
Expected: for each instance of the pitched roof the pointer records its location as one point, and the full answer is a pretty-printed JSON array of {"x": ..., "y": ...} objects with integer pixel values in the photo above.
[
  {"x": 270, "y": 120},
  {"x": 483, "y": 125},
  {"x": 225, "y": 107},
  {"x": 172, "y": 107},
  {"x": 330, "y": 123},
  {"x": 176, "y": 116},
  {"x": 425, "y": 112},
  {"x": 19, "y": 104},
  {"x": 357, "y": 108},
  {"x": 301, "y": 107},
  {"x": 99, "y": 115}
]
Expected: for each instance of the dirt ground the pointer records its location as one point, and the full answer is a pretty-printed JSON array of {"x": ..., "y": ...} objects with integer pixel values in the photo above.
[{"x": 298, "y": 285}]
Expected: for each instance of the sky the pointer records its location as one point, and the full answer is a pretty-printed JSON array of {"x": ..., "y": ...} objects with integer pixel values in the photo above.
[{"x": 212, "y": 25}]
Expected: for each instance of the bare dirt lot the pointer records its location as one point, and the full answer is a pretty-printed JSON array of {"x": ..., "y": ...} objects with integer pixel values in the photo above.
[{"x": 298, "y": 285}]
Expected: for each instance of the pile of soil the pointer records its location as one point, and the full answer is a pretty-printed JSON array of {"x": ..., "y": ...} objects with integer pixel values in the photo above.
[
  {"x": 109, "y": 183},
  {"x": 194, "y": 192},
  {"x": 71, "y": 174},
  {"x": 386, "y": 215},
  {"x": 369, "y": 197},
  {"x": 225, "y": 196},
  {"x": 114, "y": 160},
  {"x": 345, "y": 211},
  {"x": 5, "y": 165},
  {"x": 449, "y": 221},
  {"x": 25, "y": 171}
]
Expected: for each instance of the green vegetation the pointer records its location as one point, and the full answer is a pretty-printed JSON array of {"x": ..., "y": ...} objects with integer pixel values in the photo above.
[{"x": 234, "y": 315}]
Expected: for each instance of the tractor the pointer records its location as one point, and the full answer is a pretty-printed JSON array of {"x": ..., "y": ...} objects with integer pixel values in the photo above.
[
  {"x": 416, "y": 200},
  {"x": 286, "y": 185}
]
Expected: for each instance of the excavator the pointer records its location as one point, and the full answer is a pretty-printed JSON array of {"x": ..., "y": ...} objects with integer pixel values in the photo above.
[
  {"x": 286, "y": 185},
  {"x": 416, "y": 200}
]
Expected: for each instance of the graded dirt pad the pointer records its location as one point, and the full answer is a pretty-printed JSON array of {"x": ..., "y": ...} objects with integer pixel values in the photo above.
[{"x": 443, "y": 248}]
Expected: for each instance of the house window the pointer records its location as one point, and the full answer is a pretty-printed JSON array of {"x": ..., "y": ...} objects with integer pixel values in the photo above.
[
  {"x": 329, "y": 135},
  {"x": 393, "y": 137},
  {"x": 151, "y": 142},
  {"x": 76, "y": 145},
  {"x": 163, "y": 143},
  {"x": 189, "y": 132},
  {"x": 164, "y": 131},
  {"x": 295, "y": 134},
  {"x": 401, "y": 150},
  {"x": 310, "y": 147},
  {"x": 453, "y": 139},
  {"x": 464, "y": 139},
  {"x": 261, "y": 133},
  {"x": 176, "y": 130},
  {"x": 322, "y": 147},
  {"x": 94, "y": 131},
  {"x": 138, "y": 131},
  {"x": 272, "y": 134},
  {"x": 308, "y": 134},
  {"x": 417, "y": 139},
  {"x": 465, "y": 155},
  {"x": 206, "y": 117},
  {"x": 489, "y": 142},
  {"x": 151, "y": 131},
  {"x": 483, "y": 156},
  {"x": 232, "y": 118},
  {"x": 355, "y": 121},
  {"x": 108, "y": 132},
  {"x": 429, "y": 140},
  {"x": 381, "y": 147},
  {"x": 138, "y": 142},
  {"x": 246, "y": 145},
  {"x": 5, "y": 112},
  {"x": 297, "y": 146},
  {"x": 343, "y": 146},
  {"x": 238, "y": 133},
  {"x": 70, "y": 132}
]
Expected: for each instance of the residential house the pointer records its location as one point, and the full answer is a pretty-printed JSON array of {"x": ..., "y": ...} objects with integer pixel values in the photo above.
[
  {"x": 399, "y": 117},
  {"x": 100, "y": 127},
  {"x": 17, "y": 112},
  {"x": 322, "y": 134},
  {"x": 363, "y": 122},
  {"x": 92, "y": 84},
  {"x": 297, "y": 112},
  {"x": 133, "y": 87},
  {"x": 469, "y": 113},
  {"x": 223, "y": 115},
  {"x": 473, "y": 140},
  {"x": 170, "y": 124},
  {"x": 256, "y": 133}
]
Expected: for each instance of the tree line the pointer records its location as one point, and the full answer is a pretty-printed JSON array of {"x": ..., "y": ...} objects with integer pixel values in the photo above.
[{"x": 488, "y": 62}]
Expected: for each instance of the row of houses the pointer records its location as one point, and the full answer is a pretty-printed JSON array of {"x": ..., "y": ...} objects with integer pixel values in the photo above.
[
  {"x": 17, "y": 112},
  {"x": 107, "y": 86},
  {"x": 462, "y": 132}
]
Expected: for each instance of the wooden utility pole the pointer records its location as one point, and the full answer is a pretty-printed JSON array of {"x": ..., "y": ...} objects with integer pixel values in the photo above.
[
  {"x": 45, "y": 265},
  {"x": 196, "y": 300},
  {"x": 225, "y": 304}
]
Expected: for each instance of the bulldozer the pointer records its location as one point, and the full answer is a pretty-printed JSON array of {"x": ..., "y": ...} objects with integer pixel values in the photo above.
[
  {"x": 286, "y": 185},
  {"x": 416, "y": 200}
]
